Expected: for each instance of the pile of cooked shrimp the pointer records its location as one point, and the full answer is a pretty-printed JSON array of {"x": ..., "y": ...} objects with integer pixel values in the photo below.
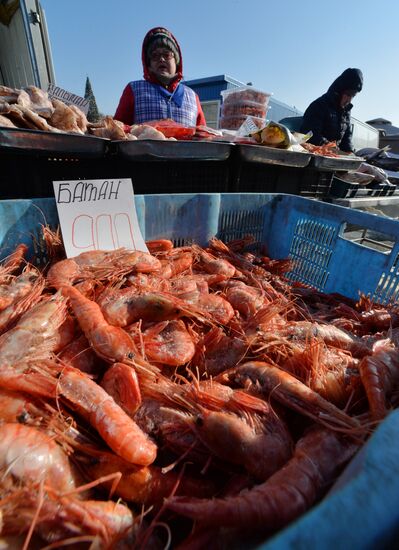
[{"x": 178, "y": 398}]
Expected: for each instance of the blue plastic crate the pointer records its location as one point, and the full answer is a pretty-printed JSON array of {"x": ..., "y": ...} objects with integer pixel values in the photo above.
[
  {"x": 363, "y": 512},
  {"x": 312, "y": 233}
]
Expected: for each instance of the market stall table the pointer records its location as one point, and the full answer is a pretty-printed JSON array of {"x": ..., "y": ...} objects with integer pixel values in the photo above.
[
  {"x": 168, "y": 166},
  {"x": 32, "y": 159}
]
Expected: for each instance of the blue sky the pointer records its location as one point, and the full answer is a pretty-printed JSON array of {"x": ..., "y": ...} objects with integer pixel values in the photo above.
[{"x": 292, "y": 48}]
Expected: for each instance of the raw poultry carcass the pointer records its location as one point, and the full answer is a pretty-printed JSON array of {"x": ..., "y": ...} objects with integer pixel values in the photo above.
[
  {"x": 64, "y": 118},
  {"x": 143, "y": 131},
  {"x": 40, "y": 102},
  {"x": 108, "y": 128},
  {"x": 4, "y": 121}
]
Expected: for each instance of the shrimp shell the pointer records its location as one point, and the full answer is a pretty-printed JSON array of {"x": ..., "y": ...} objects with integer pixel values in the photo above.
[
  {"x": 284, "y": 496},
  {"x": 117, "y": 429}
]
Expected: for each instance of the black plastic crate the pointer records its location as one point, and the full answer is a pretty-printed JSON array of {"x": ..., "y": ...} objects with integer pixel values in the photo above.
[
  {"x": 268, "y": 178},
  {"x": 344, "y": 189}
]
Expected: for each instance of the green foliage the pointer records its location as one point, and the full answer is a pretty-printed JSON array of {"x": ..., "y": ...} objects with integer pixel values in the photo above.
[{"x": 93, "y": 114}]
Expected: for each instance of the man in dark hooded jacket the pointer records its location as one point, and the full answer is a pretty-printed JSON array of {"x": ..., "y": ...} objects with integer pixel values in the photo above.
[
  {"x": 328, "y": 117},
  {"x": 161, "y": 94}
]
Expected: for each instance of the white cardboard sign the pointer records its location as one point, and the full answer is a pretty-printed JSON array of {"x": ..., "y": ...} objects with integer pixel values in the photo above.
[
  {"x": 68, "y": 98},
  {"x": 97, "y": 215}
]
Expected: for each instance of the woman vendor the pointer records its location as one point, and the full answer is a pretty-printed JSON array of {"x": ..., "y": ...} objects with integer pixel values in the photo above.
[{"x": 161, "y": 94}]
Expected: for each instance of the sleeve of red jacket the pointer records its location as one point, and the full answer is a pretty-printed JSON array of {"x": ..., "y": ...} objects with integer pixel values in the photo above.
[
  {"x": 125, "y": 109},
  {"x": 200, "y": 116}
]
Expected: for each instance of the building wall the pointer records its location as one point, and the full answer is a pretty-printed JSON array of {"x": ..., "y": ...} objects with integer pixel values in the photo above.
[{"x": 25, "y": 55}]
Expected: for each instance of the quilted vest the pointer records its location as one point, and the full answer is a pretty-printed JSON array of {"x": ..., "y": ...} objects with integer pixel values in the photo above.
[{"x": 150, "y": 104}]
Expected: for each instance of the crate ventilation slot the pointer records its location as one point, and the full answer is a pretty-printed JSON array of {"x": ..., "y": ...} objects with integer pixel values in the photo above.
[
  {"x": 234, "y": 225},
  {"x": 387, "y": 291},
  {"x": 311, "y": 251}
]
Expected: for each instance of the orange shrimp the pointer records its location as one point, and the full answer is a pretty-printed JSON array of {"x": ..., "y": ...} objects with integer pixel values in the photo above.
[
  {"x": 17, "y": 407},
  {"x": 169, "y": 343},
  {"x": 100, "y": 265},
  {"x": 18, "y": 287},
  {"x": 117, "y": 429},
  {"x": 35, "y": 334},
  {"x": 245, "y": 299},
  {"x": 64, "y": 519},
  {"x": 176, "y": 263},
  {"x": 145, "y": 485},
  {"x": 217, "y": 352},
  {"x": 330, "y": 334},
  {"x": 13, "y": 262},
  {"x": 159, "y": 245},
  {"x": 80, "y": 355},
  {"x": 121, "y": 382},
  {"x": 214, "y": 265},
  {"x": 261, "y": 444},
  {"x": 109, "y": 342},
  {"x": 216, "y": 307},
  {"x": 288, "y": 493},
  {"x": 19, "y": 296},
  {"x": 29, "y": 454},
  {"x": 286, "y": 389},
  {"x": 124, "y": 307},
  {"x": 379, "y": 373}
]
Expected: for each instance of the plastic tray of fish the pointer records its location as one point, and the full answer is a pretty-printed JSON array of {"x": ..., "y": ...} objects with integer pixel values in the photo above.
[
  {"x": 271, "y": 155},
  {"x": 335, "y": 163},
  {"x": 40, "y": 142},
  {"x": 148, "y": 149}
]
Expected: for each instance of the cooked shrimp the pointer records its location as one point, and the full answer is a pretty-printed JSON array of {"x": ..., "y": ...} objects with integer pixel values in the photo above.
[
  {"x": 169, "y": 343},
  {"x": 379, "y": 373},
  {"x": 13, "y": 262},
  {"x": 159, "y": 245},
  {"x": 214, "y": 265},
  {"x": 216, "y": 307},
  {"x": 145, "y": 485},
  {"x": 288, "y": 493},
  {"x": 283, "y": 387},
  {"x": 117, "y": 429},
  {"x": 80, "y": 355},
  {"x": 100, "y": 265},
  {"x": 245, "y": 299},
  {"x": 59, "y": 519},
  {"x": 121, "y": 382},
  {"x": 110, "y": 342},
  {"x": 176, "y": 263},
  {"x": 217, "y": 352},
  {"x": 261, "y": 444},
  {"x": 29, "y": 454},
  {"x": 19, "y": 296},
  {"x": 35, "y": 334},
  {"x": 124, "y": 307}
]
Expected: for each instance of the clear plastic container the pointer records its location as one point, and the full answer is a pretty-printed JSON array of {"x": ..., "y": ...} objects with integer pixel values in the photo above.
[
  {"x": 240, "y": 107},
  {"x": 245, "y": 93},
  {"x": 234, "y": 122}
]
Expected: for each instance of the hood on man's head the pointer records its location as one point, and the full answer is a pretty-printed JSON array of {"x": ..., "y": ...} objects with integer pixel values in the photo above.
[
  {"x": 350, "y": 80},
  {"x": 159, "y": 37}
]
